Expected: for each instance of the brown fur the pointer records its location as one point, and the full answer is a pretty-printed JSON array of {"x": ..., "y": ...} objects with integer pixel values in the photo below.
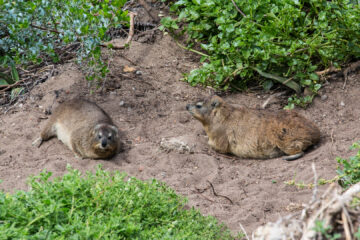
[
  {"x": 250, "y": 133},
  {"x": 84, "y": 127}
]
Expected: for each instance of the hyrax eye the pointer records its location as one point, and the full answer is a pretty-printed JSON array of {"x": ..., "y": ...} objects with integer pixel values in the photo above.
[{"x": 99, "y": 137}]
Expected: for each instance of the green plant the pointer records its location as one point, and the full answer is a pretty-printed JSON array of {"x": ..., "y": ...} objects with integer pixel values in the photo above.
[
  {"x": 324, "y": 231},
  {"x": 101, "y": 206},
  {"x": 281, "y": 41},
  {"x": 349, "y": 169},
  {"x": 34, "y": 32},
  {"x": 357, "y": 234}
]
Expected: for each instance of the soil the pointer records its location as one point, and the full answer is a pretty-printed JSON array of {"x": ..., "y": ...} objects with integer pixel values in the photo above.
[{"x": 147, "y": 99}]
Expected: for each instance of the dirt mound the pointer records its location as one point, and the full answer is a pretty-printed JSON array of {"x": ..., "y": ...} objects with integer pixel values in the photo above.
[{"x": 146, "y": 99}]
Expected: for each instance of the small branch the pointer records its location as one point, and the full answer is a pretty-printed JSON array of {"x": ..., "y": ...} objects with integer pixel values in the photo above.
[
  {"x": 130, "y": 36},
  {"x": 148, "y": 10},
  {"x": 346, "y": 226},
  {"x": 326, "y": 71},
  {"x": 352, "y": 67},
  {"x": 271, "y": 97},
  {"x": 243, "y": 230},
  {"x": 7, "y": 87},
  {"x": 218, "y": 195},
  {"x": 313, "y": 199},
  {"x": 238, "y": 9},
  {"x": 192, "y": 50},
  {"x": 44, "y": 28}
]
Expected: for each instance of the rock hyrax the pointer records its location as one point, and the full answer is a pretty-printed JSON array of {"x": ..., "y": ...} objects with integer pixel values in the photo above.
[
  {"x": 250, "y": 133},
  {"x": 84, "y": 127}
]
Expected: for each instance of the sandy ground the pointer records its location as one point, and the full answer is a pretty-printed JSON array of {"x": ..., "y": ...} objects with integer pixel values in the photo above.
[{"x": 148, "y": 105}]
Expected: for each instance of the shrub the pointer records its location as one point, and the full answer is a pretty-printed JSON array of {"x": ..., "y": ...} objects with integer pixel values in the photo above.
[
  {"x": 267, "y": 41},
  {"x": 101, "y": 206},
  {"x": 349, "y": 169},
  {"x": 33, "y": 32}
]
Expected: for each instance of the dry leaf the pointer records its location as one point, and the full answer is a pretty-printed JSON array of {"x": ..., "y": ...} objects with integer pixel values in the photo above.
[{"x": 128, "y": 69}]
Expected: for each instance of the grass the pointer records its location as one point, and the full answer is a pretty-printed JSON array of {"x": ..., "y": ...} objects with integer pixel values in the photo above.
[{"x": 101, "y": 206}]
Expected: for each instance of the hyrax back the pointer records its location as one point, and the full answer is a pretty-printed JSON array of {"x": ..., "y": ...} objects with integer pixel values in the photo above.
[
  {"x": 84, "y": 127},
  {"x": 250, "y": 133}
]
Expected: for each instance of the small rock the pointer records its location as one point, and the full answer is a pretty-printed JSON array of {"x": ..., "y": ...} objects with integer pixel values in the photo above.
[
  {"x": 121, "y": 103},
  {"x": 175, "y": 144},
  {"x": 324, "y": 97},
  {"x": 342, "y": 104},
  {"x": 183, "y": 118},
  {"x": 138, "y": 72}
]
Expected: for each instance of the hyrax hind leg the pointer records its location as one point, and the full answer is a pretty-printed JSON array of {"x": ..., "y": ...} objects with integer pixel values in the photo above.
[{"x": 47, "y": 133}]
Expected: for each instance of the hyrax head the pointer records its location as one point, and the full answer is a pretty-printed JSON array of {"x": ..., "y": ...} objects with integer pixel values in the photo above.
[
  {"x": 105, "y": 138},
  {"x": 205, "y": 110}
]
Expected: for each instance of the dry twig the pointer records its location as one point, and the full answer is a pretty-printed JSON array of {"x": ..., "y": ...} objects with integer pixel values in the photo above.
[
  {"x": 271, "y": 97},
  {"x": 130, "y": 36},
  {"x": 238, "y": 9},
  {"x": 350, "y": 68},
  {"x": 218, "y": 195}
]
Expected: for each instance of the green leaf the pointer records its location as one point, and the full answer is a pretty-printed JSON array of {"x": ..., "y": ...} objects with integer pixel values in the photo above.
[
  {"x": 267, "y": 85},
  {"x": 3, "y": 82},
  {"x": 14, "y": 73}
]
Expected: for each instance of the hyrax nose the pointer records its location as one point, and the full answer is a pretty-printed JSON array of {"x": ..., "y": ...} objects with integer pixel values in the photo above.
[
  {"x": 187, "y": 106},
  {"x": 103, "y": 143}
]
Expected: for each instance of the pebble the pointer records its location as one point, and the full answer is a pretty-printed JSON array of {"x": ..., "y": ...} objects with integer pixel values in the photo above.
[
  {"x": 342, "y": 104},
  {"x": 138, "y": 72},
  {"x": 324, "y": 97},
  {"x": 121, "y": 103}
]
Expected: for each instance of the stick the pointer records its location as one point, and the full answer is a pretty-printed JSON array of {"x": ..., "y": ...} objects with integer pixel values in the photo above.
[
  {"x": 243, "y": 230},
  {"x": 190, "y": 49},
  {"x": 45, "y": 29},
  {"x": 313, "y": 199},
  {"x": 238, "y": 9},
  {"x": 352, "y": 67},
  {"x": 218, "y": 195},
  {"x": 263, "y": 106},
  {"x": 346, "y": 226},
  {"x": 130, "y": 36}
]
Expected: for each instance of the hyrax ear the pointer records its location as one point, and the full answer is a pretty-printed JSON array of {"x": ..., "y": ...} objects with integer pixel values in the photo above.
[
  {"x": 116, "y": 130},
  {"x": 98, "y": 126}
]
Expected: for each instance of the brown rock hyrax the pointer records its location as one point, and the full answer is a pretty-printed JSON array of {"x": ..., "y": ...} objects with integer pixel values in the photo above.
[
  {"x": 84, "y": 127},
  {"x": 250, "y": 133}
]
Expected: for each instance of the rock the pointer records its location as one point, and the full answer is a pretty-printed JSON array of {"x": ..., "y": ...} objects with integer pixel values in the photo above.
[
  {"x": 184, "y": 118},
  {"x": 138, "y": 72},
  {"x": 175, "y": 144},
  {"x": 342, "y": 104},
  {"x": 121, "y": 103},
  {"x": 324, "y": 97}
]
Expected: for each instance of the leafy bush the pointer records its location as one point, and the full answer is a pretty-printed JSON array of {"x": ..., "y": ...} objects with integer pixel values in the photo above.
[
  {"x": 101, "y": 206},
  {"x": 349, "y": 170},
  {"x": 268, "y": 41},
  {"x": 36, "y": 31}
]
